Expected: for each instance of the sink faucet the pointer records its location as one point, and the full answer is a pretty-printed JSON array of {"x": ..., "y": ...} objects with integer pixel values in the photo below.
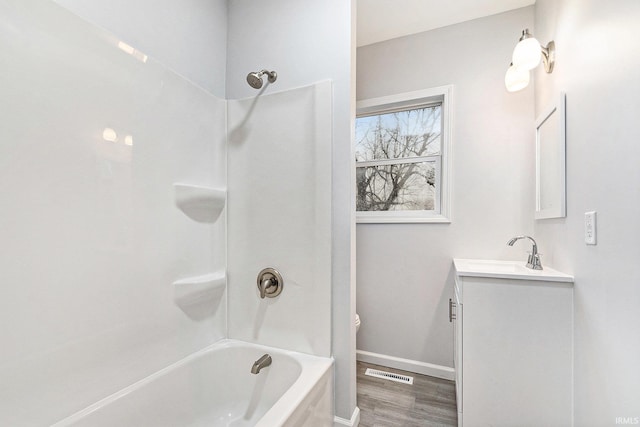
[
  {"x": 534, "y": 257},
  {"x": 263, "y": 362}
]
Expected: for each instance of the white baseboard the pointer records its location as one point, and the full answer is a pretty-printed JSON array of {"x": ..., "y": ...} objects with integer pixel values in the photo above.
[
  {"x": 353, "y": 422},
  {"x": 423, "y": 368}
]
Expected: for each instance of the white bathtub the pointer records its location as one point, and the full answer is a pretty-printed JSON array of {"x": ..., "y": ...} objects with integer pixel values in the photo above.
[{"x": 214, "y": 387}]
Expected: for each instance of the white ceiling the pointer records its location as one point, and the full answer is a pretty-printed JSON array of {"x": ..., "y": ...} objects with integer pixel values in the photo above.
[{"x": 380, "y": 20}]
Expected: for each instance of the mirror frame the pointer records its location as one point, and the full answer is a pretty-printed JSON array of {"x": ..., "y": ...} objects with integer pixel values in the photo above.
[{"x": 556, "y": 111}]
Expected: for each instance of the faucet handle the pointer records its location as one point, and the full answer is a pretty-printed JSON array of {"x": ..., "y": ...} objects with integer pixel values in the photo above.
[
  {"x": 534, "y": 261},
  {"x": 269, "y": 283},
  {"x": 264, "y": 285}
]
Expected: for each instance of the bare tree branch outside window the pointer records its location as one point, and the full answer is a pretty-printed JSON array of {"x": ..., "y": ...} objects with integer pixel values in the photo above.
[{"x": 397, "y": 159}]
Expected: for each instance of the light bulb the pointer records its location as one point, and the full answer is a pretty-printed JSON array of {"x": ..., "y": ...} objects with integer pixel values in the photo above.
[
  {"x": 516, "y": 78},
  {"x": 527, "y": 54}
]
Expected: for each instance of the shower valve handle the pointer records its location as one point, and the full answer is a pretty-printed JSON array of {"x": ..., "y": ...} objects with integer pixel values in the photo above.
[{"x": 269, "y": 283}]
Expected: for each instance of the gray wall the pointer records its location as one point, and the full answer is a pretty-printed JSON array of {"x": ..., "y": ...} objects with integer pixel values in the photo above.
[
  {"x": 404, "y": 277},
  {"x": 598, "y": 68}
]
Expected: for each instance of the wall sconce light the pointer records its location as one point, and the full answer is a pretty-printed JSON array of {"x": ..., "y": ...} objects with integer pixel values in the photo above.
[
  {"x": 526, "y": 56},
  {"x": 516, "y": 78}
]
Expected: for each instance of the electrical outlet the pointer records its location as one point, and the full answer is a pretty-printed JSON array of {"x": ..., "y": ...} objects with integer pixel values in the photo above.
[{"x": 590, "y": 229}]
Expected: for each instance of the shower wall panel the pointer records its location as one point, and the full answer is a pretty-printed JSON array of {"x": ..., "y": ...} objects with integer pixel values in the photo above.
[
  {"x": 93, "y": 135},
  {"x": 187, "y": 36},
  {"x": 279, "y": 176}
]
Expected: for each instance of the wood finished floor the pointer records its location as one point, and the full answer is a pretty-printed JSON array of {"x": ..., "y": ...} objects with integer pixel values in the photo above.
[{"x": 429, "y": 401}]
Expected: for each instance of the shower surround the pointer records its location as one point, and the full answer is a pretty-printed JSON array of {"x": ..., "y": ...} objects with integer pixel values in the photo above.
[
  {"x": 111, "y": 272},
  {"x": 279, "y": 155}
]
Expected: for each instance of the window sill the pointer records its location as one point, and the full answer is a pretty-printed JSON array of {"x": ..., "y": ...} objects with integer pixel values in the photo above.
[{"x": 383, "y": 219}]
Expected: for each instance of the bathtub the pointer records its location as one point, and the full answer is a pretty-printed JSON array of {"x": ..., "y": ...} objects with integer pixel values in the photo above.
[{"x": 214, "y": 387}]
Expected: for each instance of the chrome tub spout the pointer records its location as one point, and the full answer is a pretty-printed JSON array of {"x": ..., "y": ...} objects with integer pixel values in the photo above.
[{"x": 263, "y": 362}]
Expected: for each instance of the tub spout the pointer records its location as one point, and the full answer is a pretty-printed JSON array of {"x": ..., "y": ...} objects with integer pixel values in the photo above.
[{"x": 263, "y": 362}]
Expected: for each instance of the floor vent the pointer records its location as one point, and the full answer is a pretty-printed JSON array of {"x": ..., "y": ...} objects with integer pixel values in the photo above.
[{"x": 404, "y": 379}]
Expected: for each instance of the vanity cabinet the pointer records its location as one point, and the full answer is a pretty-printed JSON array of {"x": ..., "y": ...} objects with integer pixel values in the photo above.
[
  {"x": 456, "y": 316},
  {"x": 513, "y": 344}
]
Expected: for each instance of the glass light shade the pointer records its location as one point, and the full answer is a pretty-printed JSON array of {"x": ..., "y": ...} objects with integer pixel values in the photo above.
[
  {"x": 527, "y": 54},
  {"x": 516, "y": 78}
]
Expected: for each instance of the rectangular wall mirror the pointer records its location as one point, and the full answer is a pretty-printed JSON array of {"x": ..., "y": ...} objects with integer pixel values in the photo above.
[{"x": 550, "y": 162}]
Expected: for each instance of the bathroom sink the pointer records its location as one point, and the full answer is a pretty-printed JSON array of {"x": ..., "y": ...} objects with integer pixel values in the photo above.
[{"x": 507, "y": 270}]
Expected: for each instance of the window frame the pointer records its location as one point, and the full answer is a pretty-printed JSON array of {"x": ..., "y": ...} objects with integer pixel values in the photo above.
[{"x": 408, "y": 101}]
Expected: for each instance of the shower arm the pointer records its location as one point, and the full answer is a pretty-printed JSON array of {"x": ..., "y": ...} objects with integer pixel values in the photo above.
[{"x": 271, "y": 75}]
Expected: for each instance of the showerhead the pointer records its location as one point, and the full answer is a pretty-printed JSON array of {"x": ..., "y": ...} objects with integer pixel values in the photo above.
[{"x": 255, "y": 78}]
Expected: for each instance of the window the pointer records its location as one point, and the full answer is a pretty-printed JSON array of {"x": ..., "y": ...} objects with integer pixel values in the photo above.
[{"x": 403, "y": 157}]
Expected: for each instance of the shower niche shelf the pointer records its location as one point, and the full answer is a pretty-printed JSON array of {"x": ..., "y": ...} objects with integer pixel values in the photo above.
[
  {"x": 200, "y": 203},
  {"x": 192, "y": 291}
]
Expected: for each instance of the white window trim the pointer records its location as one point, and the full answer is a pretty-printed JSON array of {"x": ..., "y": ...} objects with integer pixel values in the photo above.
[{"x": 443, "y": 192}]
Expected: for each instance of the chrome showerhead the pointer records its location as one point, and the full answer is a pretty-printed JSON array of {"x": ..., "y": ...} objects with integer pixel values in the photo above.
[{"x": 255, "y": 78}]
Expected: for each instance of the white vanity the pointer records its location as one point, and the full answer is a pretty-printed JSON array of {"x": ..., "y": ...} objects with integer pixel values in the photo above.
[{"x": 513, "y": 344}]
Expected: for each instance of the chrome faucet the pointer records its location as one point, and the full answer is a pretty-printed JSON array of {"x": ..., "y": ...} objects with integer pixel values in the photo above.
[
  {"x": 263, "y": 362},
  {"x": 533, "y": 261}
]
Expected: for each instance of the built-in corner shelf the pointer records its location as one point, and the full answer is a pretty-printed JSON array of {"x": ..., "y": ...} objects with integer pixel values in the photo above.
[
  {"x": 200, "y": 203},
  {"x": 194, "y": 290}
]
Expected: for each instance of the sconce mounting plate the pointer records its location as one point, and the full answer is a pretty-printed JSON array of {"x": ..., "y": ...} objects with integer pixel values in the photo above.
[{"x": 549, "y": 56}]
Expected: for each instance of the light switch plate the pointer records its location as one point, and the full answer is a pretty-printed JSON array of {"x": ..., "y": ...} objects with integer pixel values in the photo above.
[{"x": 590, "y": 228}]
